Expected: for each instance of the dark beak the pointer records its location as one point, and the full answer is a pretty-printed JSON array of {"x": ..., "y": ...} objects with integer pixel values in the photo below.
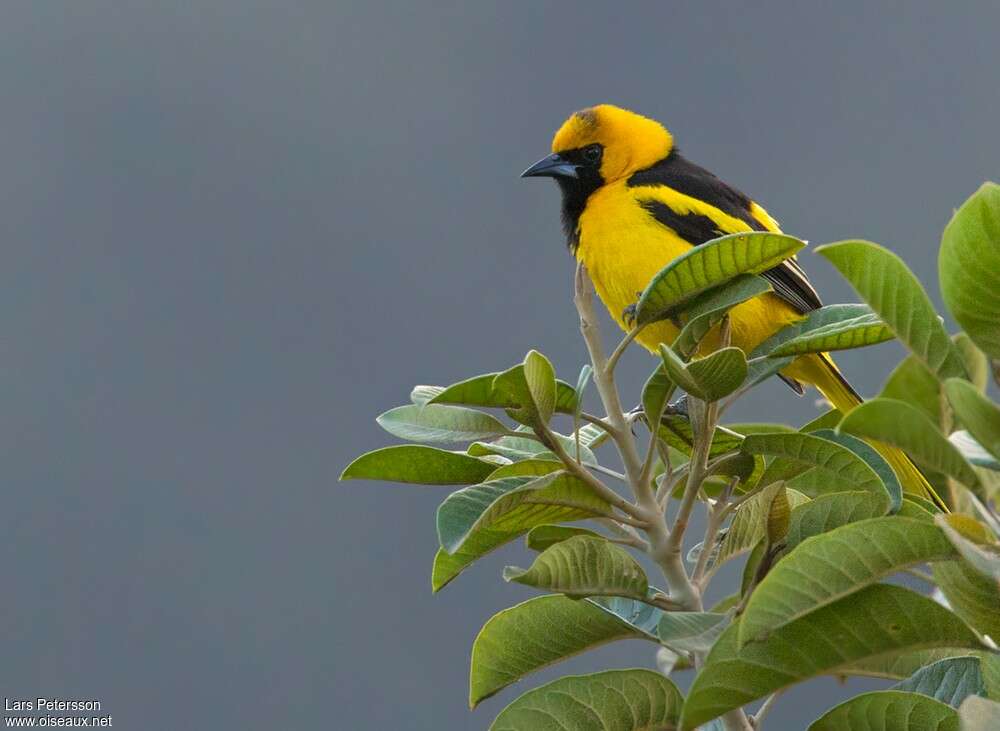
[{"x": 552, "y": 166}]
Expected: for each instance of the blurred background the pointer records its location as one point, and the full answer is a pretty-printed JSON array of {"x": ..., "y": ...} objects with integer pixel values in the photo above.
[{"x": 235, "y": 232}]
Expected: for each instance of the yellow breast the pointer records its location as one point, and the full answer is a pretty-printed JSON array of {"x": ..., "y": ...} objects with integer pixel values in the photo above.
[{"x": 623, "y": 247}]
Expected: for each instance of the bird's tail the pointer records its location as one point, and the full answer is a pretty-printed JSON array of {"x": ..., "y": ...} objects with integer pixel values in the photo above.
[{"x": 821, "y": 371}]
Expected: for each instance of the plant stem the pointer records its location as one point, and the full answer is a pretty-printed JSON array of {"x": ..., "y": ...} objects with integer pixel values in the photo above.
[{"x": 664, "y": 545}]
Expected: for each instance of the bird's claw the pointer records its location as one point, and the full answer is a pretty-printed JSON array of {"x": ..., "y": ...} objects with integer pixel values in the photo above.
[
  {"x": 628, "y": 314},
  {"x": 678, "y": 407}
]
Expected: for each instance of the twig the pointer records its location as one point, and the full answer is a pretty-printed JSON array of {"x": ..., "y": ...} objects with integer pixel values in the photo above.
[
  {"x": 622, "y": 347},
  {"x": 626, "y": 534},
  {"x": 765, "y": 708},
  {"x": 584, "y": 474},
  {"x": 716, "y": 515}
]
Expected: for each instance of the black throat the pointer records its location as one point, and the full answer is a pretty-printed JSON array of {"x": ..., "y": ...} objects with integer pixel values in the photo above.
[{"x": 575, "y": 192}]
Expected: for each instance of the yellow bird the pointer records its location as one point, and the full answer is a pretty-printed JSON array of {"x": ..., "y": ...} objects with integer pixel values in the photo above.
[{"x": 631, "y": 203}]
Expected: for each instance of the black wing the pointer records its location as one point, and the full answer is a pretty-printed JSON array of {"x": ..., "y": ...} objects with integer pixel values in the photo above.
[{"x": 677, "y": 172}]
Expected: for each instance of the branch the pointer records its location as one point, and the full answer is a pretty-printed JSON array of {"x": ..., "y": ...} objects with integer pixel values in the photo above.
[{"x": 577, "y": 469}]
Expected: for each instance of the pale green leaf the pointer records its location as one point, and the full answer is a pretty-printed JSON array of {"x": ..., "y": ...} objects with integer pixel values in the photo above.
[
  {"x": 950, "y": 681},
  {"x": 538, "y": 633},
  {"x": 435, "y": 423},
  {"x": 418, "y": 464},
  {"x": 614, "y": 700},
  {"x": 825, "y": 568},
  {"x": 888, "y": 710},
  {"x": 872, "y": 622},
  {"x": 584, "y": 566},
  {"x": 969, "y": 268},
  {"x": 420, "y": 395},
  {"x": 978, "y": 714},
  {"x": 692, "y": 631},
  {"x": 885, "y": 283},
  {"x": 984, "y": 558},
  {"x": 979, "y": 415},
  {"x": 709, "y": 265},
  {"x": 904, "y": 426},
  {"x": 900, "y": 665},
  {"x": 973, "y": 451}
]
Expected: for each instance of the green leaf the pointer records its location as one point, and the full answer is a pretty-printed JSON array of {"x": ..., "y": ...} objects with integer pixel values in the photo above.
[
  {"x": 656, "y": 393},
  {"x": 978, "y": 714},
  {"x": 989, "y": 665},
  {"x": 584, "y": 566},
  {"x": 839, "y": 461},
  {"x": 542, "y": 536},
  {"x": 900, "y": 665},
  {"x": 691, "y": 631},
  {"x": 708, "y": 309},
  {"x": 516, "y": 504},
  {"x": 709, "y": 265},
  {"x": 480, "y": 391},
  {"x": 827, "y": 567},
  {"x": 418, "y": 464},
  {"x": 904, "y": 426},
  {"x": 969, "y": 268},
  {"x": 816, "y": 516},
  {"x": 977, "y": 365},
  {"x": 913, "y": 382},
  {"x": 614, "y": 700},
  {"x": 972, "y": 596},
  {"x": 676, "y": 431},
  {"x": 983, "y": 558},
  {"x": 540, "y": 377},
  {"x": 475, "y": 391},
  {"x": 855, "y": 332},
  {"x": 950, "y": 681},
  {"x": 885, "y": 283},
  {"x": 434, "y": 423},
  {"x": 710, "y": 378},
  {"x": 536, "y": 634},
  {"x": 973, "y": 451},
  {"x": 874, "y": 460},
  {"x": 888, "y": 710},
  {"x": 979, "y": 415},
  {"x": 750, "y": 522},
  {"x": 827, "y": 512},
  {"x": 487, "y": 539},
  {"x": 875, "y": 621}
]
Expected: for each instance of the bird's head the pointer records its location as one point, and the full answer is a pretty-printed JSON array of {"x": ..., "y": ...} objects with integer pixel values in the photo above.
[{"x": 600, "y": 145}]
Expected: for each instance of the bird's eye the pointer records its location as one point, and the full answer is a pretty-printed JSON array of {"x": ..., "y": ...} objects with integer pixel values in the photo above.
[{"x": 592, "y": 153}]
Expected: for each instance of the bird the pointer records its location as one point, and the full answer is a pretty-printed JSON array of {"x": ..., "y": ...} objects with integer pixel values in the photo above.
[{"x": 632, "y": 203}]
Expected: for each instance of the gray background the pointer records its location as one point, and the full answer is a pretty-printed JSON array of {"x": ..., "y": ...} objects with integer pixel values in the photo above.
[{"x": 235, "y": 232}]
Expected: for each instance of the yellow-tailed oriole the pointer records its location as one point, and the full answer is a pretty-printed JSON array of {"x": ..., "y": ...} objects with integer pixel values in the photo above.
[{"x": 631, "y": 203}]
